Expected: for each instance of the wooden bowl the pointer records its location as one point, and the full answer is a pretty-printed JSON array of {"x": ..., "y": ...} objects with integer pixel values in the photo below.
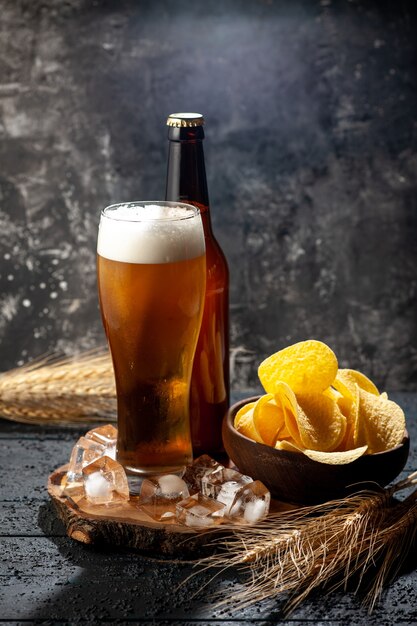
[{"x": 294, "y": 477}]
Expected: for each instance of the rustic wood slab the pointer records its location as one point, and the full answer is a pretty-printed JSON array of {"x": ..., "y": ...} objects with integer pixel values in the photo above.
[
  {"x": 128, "y": 526},
  {"x": 121, "y": 524}
]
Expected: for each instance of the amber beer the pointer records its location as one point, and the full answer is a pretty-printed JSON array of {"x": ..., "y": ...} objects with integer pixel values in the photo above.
[
  {"x": 151, "y": 279},
  {"x": 186, "y": 182}
]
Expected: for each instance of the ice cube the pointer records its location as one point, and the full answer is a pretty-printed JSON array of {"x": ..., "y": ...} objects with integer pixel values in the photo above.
[
  {"x": 160, "y": 494},
  {"x": 227, "y": 493},
  {"x": 251, "y": 503},
  {"x": 107, "y": 436},
  {"x": 105, "y": 482},
  {"x": 194, "y": 473},
  {"x": 97, "y": 488},
  {"x": 200, "y": 512},
  {"x": 84, "y": 452},
  {"x": 223, "y": 484},
  {"x": 72, "y": 488}
]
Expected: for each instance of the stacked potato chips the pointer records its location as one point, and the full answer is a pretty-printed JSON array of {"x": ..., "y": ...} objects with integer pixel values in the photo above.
[{"x": 311, "y": 406}]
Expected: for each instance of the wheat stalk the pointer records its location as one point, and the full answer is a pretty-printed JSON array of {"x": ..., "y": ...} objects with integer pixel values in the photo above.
[
  {"x": 298, "y": 551},
  {"x": 389, "y": 547},
  {"x": 60, "y": 390}
]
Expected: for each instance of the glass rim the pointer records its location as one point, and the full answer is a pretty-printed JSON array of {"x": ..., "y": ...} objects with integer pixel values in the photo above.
[{"x": 194, "y": 211}]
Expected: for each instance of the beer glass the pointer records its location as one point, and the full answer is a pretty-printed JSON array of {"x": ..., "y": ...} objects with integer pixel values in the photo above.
[{"x": 151, "y": 268}]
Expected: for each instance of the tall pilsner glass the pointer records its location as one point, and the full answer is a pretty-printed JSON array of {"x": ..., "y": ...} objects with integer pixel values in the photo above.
[{"x": 151, "y": 276}]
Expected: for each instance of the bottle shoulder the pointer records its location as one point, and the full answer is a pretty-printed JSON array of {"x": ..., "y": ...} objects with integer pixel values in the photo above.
[
  {"x": 214, "y": 251},
  {"x": 217, "y": 267}
]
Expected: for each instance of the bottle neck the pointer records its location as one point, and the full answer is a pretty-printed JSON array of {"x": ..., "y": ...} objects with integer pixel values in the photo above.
[{"x": 186, "y": 176}]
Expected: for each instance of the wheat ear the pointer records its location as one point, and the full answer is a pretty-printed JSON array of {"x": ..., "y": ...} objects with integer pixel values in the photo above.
[
  {"x": 298, "y": 551},
  {"x": 53, "y": 390}
]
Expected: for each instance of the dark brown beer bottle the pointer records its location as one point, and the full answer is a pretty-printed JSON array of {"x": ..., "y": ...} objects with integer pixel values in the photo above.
[{"x": 186, "y": 182}]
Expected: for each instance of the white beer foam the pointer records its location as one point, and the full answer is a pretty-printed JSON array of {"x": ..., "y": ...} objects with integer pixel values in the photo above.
[{"x": 150, "y": 234}]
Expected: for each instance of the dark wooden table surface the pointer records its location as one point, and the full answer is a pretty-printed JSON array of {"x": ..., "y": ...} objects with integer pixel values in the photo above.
[{"x": 49, "y": 578}]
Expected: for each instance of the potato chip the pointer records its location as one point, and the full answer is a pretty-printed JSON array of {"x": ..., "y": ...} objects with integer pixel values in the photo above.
[
  {"x": 289, "y": 445},
  {"x": 346, "y": 405},
  {"x": 285, "y": 397},
  {"x": 342, "y": 397},
  {"x": 349, "y": 406},
  {"x": 381, "y": 422},
  {"x": 347, "y": 401},
  {"x": 269, "y": 419},
  {"x": 332, "y": 393},
  {"x": 321, "y": 423},
  {"x": 346, "y": 391},
  {"x": 331, "y": 458},
  {"x": 244, "y": 422},
  {"x": 307, "y": 366},
  {"x": 359, "y": 432},
  {"x": 351, "y": 377},
  {"x": 340, "y": 457}
]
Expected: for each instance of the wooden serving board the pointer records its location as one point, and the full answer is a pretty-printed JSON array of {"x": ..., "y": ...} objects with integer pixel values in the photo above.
[{"x": 128, "y": 526}]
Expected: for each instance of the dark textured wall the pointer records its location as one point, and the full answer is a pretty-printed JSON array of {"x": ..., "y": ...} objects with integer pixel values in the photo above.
[{"x": 311, "y": 153}]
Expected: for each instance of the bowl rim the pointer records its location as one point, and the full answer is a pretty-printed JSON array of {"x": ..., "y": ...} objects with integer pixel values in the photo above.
[{"x": 240, "y": 403}]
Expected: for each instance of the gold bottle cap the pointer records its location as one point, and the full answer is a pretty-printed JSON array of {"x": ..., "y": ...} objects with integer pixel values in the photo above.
[{"x": 185, "y": 120}]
